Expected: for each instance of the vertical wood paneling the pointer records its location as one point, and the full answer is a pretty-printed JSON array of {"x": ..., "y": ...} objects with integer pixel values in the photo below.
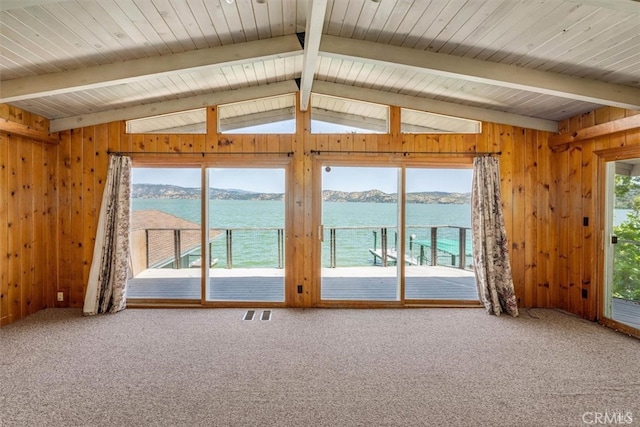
[
  {"x": 518, "y": 193},
  {"x": 543, "y": 187},
  {"x": 78, "y": 213},
  {"x": 506, "y": 177},
  {"x": 26, "y": 226},
  {"x": 28, "y": 239},
  {"x": 587, "y": 185},
  {"x": 13, "y": 225},
  {"x": 186, "y": 143},
  {"x": 574, "y": 220},
  {"x": 617, "y": 139},
  {"x": 530, "y": 223},
  {"x": 38, "y": 220},
  {"x": 546, "y": 195},
  {"x": 560, "y": 298},
  {"x": 90, "y": 214},
  {"x": 5, "y": 253},
  {"x": 199, "y": 143},
  {"x": 52, "y": 225},
  {"x": 162, "y": 143},
  {"x": 64, "y": 213},
  {"x": 576, "y": 175}
]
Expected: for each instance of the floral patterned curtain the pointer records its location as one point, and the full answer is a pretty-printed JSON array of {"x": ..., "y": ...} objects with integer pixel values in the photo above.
[
  {"x": 490, "y": 250},
  {"x": 110, "y": 266}
]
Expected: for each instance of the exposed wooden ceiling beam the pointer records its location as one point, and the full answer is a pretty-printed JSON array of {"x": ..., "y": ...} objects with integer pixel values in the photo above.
[
  {"x": 603, "y": 129},
  {"x": 481, "y": 71},
  {"x": 312, "y": 35},
  {"x": 351, "y": 120},
  {"x": 165, "y": 107},
  {"x": 256, "y": 119},
  {"x": 25, "y": 131},
  {"x": 193, "y": 129},
  {"x": 433, "y": 106},
  {"x": 140, "y": 69}
]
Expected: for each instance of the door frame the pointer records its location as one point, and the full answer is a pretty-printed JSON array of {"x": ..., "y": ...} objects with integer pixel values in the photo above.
[
  {"x": 196, "y": 161},
  {"x": 606, "y": 156},
  {"x": 396, "y": 160},
  {"x": 400, "y": 170}
]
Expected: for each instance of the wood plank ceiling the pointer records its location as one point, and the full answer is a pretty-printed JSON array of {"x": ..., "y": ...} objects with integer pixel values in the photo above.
[{"x": 527, "y": 63}]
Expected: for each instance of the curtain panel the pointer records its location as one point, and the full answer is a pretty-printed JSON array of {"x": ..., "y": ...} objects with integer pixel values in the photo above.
[
  {"x": 490, "y": 245},
  {"x": 110, "y": 266}
]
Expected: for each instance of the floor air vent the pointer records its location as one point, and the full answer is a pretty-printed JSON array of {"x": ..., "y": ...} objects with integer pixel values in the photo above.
[
  {"x": 266, "y": 315},
  {"x": 249, "y": 315}
]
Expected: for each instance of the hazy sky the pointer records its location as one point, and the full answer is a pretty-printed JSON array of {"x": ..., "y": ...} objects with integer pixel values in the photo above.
[{"x": 339, "y": 178}]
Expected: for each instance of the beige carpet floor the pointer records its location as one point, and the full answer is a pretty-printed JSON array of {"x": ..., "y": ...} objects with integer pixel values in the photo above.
[{"x": 404, "y": 367}]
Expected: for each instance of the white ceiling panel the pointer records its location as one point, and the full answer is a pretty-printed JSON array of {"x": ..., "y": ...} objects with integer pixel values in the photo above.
[{"x": 588, "y": 43}]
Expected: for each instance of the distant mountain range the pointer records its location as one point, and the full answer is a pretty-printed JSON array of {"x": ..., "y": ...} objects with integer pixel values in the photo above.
[{"x": 160, "y": 191}]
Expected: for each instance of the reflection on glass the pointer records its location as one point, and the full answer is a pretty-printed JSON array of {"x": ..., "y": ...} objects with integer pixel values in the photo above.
[
  {"x": 246, "y": 235},
  {"x": 359, "y": 247},
  {"x": 438, "y": 235},
  {"x": 165, "y": 234}
]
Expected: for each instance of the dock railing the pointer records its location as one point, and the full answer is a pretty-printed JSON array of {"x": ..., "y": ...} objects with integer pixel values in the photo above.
[
  {"x": 427, "y": 245},
  {"x": 181, "y": 247}
]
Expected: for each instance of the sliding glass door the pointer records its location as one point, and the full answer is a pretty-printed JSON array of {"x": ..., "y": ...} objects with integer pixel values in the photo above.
[
  {"x": 244, "y": 251},
  {"x": 438, "y": 235},
  {"x": 366, "y": 249},
  {"x": 246, "y": 234},
  {"x": 165, "y": 234},
  {"x": 359, "y": 256},
  {"x": 622, "y": 242}
]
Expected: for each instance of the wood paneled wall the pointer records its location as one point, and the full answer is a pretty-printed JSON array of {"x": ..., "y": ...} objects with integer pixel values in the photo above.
[
  {"x": 28, "y": 219},
  {"x": 575, "y": 253},
  {"x": 525, "y": 164},
  {"x": 545, "y": 193}
]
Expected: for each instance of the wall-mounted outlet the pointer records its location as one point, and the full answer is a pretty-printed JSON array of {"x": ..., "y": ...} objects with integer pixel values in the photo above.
[{"x": 60, "y": 296}]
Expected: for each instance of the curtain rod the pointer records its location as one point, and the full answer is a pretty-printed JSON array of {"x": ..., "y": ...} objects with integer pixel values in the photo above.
[
  {"x": 202, "y": 153},
  {"x": 407, "y": 153}
]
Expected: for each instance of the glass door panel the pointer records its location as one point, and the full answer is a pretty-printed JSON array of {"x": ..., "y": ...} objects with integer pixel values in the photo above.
[
  {"x": 246, "y": 234},
  {"x": 360, "y": 234},
  {"x": 622, "y": 293},
  {"x": 165, "y": 234},
  {"x": 438, "y": 235}
]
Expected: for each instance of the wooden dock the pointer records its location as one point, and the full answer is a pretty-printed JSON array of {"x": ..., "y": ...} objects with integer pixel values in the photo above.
[{"x": 392, "y": 256}]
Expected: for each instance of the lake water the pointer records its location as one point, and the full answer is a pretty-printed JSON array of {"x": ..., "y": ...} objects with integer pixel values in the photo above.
[
  {"x": 260, "y": 247},
  {"x": 242, "y": 213}
]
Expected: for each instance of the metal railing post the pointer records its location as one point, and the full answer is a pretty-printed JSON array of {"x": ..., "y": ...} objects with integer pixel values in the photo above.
[
  {"x": 280, "y": 248},
  {"x": 434, "y": 246},
  {"x": 146, "y": 238},
  {"x": 177, "y": 248},
  {"x": 332, "y": 248},
  {"x": 383, "y": 235},
  {"x": 462, "y": 242},
  {"x": 375, "y": 246},
  {"x": 229, "y": 249}
]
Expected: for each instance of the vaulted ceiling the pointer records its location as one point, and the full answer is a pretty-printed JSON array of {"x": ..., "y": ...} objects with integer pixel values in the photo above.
[{"x": 526, "y": 63}]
